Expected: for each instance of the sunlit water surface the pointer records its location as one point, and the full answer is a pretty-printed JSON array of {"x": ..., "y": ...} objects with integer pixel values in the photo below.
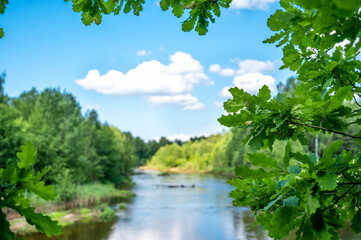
[{"x": 172, "y": 213}]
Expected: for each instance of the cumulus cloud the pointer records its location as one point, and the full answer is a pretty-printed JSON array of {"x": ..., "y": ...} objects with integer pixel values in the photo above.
[
  {"x": 251, "y": 83},
  {"x": 227, "y": 72},
  {"x": 150, "y": 78},
  {"x": 214, "y": 68},
  {"x": 254, "y": 66},
  {"x": 250, "y": 75},
  {"x": 143, "y": 53},
  {"x": 245, "y": 66},
  {"x": 185, "y": 137},
  {"x": 187, "y": 101},
  {"x": 251, "y": 4}
]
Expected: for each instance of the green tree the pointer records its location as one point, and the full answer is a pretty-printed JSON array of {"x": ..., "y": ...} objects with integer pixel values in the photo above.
[
  {"x": 3, "y": 97},
  {"x": 127, "y": 156},
  {"x": 25, "y": 103},
  {"x": 90, "y": 160},
  {"x": 314, "y": 197},
  {"x": 11, "y": 129},
  {"x": 11, "y": 134},
  {"x": 140, "y": 151},
  {"x": 55, "y": 128}
]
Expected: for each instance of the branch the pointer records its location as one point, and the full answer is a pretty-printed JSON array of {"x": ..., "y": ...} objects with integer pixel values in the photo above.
[
  {"x": 356, "y": 101},
  {"x": 346, "y": 177},
  {"x": 352, "y": 84},
  {"x": 349, "y": 183},
  {"x": 339, "y": 78},
  {"x": 342, "y": 196},
  {"x": 300, "y": 119},
  {"x": 325, "y": 129}
]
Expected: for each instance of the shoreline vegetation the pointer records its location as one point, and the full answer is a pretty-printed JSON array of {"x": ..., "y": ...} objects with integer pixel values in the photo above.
[
  {"x": 164, "y": 171},
  {"x": 91, "y": 204}
]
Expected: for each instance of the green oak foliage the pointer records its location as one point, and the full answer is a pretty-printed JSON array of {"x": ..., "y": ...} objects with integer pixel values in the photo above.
[
  {"x": 201, "y": 12},
  {"x": 15, "y": 181},
  {"x": 309, "y": 195}
]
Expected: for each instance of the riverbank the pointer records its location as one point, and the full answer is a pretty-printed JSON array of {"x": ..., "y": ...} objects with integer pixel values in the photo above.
[
  {"x": 90, "y": 204},
  {"x": 229, "y": 172}
]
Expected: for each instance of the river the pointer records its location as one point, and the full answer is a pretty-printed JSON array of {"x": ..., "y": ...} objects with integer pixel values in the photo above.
[{"x": 201, "y": 210}]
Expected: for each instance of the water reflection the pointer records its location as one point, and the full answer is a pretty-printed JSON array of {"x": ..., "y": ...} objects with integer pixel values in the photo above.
[
  {"x": 177, "y": 213},
  {"x": 202, "y": 212},
  {"x": 99, "y": 231}
]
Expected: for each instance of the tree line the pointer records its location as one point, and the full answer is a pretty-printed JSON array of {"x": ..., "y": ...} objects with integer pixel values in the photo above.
[
  {"x": 77, "y": 147},
  {"x": 223, "y": 152}
]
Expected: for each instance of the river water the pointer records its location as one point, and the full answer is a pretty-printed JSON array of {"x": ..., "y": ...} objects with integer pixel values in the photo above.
[{"x": 199, "y": 210}]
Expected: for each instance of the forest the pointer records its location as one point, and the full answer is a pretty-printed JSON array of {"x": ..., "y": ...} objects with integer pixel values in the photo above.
[{"x": 77, "y": 148}]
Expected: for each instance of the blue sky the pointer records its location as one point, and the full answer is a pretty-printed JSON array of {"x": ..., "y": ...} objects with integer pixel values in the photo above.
[{"x": 142, "y": 74}]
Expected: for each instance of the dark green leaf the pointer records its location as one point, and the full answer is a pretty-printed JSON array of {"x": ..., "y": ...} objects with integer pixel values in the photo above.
[
  {"x": 41, "y": 222},
  {"x": 262, "y": 160},
  {"x": 245, "y": 172},
  {"x": 8, "y": 174},
  {"x": 356, "y": 222},
  {"x": 327, "y": 181},
  {"x": 291, "y": 202}
]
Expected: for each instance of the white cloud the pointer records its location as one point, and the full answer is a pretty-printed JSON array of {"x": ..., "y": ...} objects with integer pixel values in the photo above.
[
  {"x": 91, "y": 107},
  {"x": 187, "y": 101},
  {"x": 251, "y": 83},
  {"x": 227, "y": 72},
  {"x": 252, "y": 4},
  {"x": 214, "y": 68},
  {"x": 143, "y": 53},
  {"x": 218, "y": 104},
  {"x": 254, "y": 66},
  {"x": 185, "y": 137},
  {"x": 150, "y": 78},
  {"x": 245, "y": 66},
  {"x": 226, "y": 93}
]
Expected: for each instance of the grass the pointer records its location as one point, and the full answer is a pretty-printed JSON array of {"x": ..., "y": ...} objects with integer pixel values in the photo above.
[
  {"x": 102, "y": 213},
  {"x": 84, "y": 211},
  {"x": 122, "y": 206},
  {"x": 96, "y": 196},
  {"x": 99, "y": 191},
  {"x": 107, "y": 214},
  {"x": 85, "y": 195}
]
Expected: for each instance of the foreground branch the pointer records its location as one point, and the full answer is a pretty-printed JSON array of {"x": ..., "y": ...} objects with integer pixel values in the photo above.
[{"x": 325, "y": 129}]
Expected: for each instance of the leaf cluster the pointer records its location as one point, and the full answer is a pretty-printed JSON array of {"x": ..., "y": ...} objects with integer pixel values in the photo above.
[
  {"x": 313, "y": 196},
  {"x": 201, "y": 11},
  {"x": 15, "y": 181}
]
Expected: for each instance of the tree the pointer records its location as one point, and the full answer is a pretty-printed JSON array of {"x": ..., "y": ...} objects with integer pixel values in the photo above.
[
  {"x": 55, "y": 128},
  {"x": 11, "y": 129},
  {"x": 313, "y": 197},
  {"x": 25, "y": 102}
]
